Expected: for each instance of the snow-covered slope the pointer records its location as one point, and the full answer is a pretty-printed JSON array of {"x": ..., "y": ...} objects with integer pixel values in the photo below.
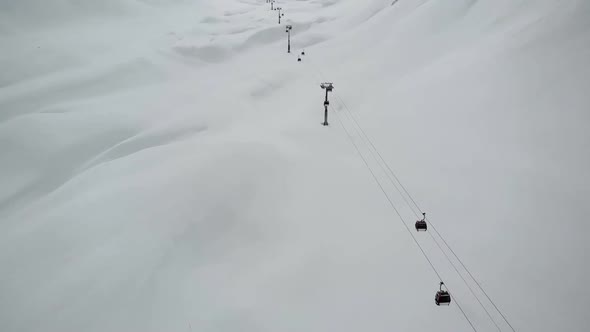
[{"x": 163, "y": 166}]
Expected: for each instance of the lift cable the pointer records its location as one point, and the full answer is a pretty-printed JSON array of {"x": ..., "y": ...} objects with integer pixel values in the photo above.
[
  {"x": 398, "y": 214},
  {"x": 472, "y": 277},
  {"x": 407, "y": 203},
  {"x": 465, "y": 281},
  {"x": 318, "y": 73},
  {"x": 362, "y": 133},
  {"x": 386, "y": 195},
  {"x": 464, "y": 314},
  {"x": 433, "y": 226}
]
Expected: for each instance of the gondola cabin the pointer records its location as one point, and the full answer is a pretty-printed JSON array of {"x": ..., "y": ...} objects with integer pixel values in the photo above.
[
  {"x": 421, "y": 224},
  {"x": 442, "y": 297}
]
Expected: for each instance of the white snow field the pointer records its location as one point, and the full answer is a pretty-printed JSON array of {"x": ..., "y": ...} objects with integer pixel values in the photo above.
[{"x": 163, "y": 166}]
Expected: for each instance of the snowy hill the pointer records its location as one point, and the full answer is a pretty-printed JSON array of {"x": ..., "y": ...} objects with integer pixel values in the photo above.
[{"x": 163, "y": 166}]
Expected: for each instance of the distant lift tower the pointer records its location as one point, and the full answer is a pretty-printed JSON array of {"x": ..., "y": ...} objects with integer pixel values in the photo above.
[
  {"x": 328, "y": 87},
  {"x": 288, "y": 30},
  {"x": 272, "y": 4},
  {"x": 280, "y": 15}
]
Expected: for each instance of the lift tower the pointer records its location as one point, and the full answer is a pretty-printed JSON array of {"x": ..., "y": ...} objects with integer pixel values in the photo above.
[
  {"x": 280, "y": 15},
  {"x": 288, "y": 31},
  {"x": 328, "y": 87}
]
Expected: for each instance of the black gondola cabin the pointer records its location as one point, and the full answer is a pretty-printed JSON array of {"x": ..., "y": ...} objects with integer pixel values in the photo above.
[
  {"x": 442, "y": 297},
  {"x": 421, "y": 224}
]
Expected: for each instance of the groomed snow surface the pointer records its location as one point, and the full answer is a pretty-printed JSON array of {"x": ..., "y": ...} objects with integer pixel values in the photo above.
[{"x": 163, "y": 166}]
